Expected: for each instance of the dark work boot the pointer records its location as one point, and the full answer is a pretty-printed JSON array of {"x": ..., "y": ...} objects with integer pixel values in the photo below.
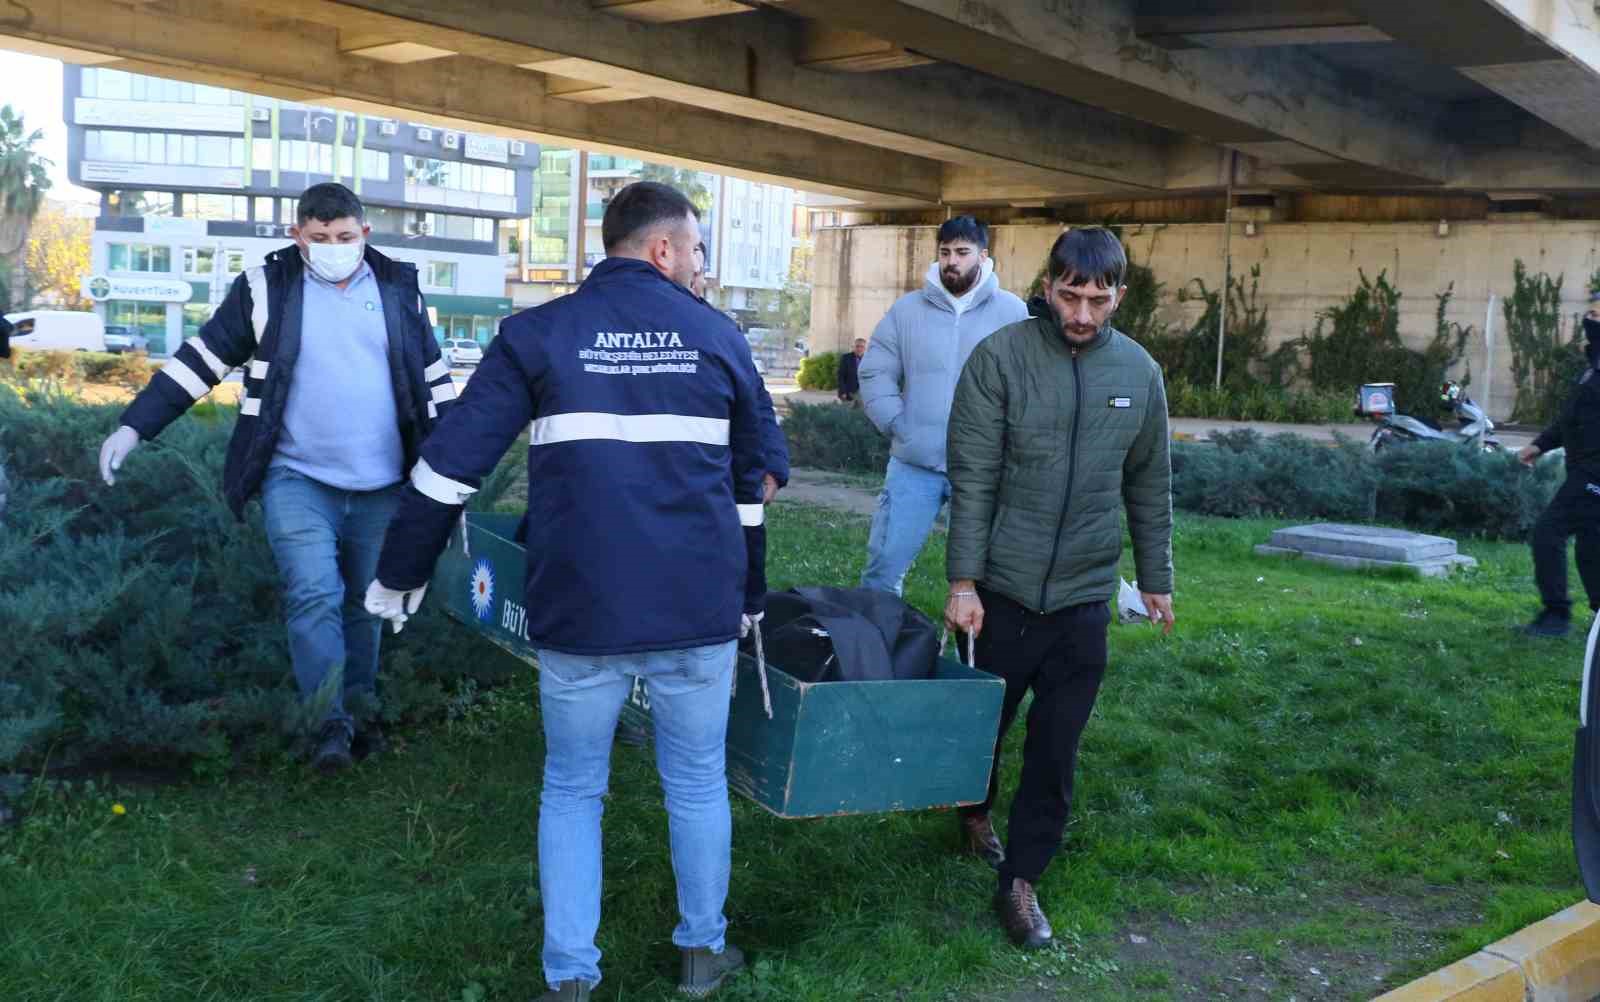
[
  {"x": 333, "y": 748},
  {"x": 1549, "y": 624},
  {"x": 977, "y": 836},
  {"x": 704, "y": 971},
  {"x": 567, "y": 991},
  {"x": 1021, "y": 916}
]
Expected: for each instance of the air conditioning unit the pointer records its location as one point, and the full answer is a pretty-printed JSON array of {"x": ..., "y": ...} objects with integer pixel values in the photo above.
[
  {"x": 387, "y": 128},
  {"x": 519, "y": 148},
  {"x": 452, "y": 140},
  {"x": 735, "y": 224},
  {"x": 755, "y": 227},
  {"x": 260, "y": 114},
  {"x": 424, "y": 134},
  {"x": 265, "y": 229},
  {"x": 755, "y": 272}
]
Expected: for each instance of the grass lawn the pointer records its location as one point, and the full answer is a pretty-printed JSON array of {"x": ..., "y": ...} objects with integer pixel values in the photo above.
[{"x": 1323, "y": 784}]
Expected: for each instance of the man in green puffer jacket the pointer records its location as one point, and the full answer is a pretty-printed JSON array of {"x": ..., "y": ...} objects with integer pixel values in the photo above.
[{"x": 1058, "y": 421}]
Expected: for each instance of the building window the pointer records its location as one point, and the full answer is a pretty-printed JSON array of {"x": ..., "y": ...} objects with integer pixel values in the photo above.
[
  {"x": 235, "y": 261},
  {"x": 153, "y": 259},
  {"x": 163, "y": 148},
  {"x": 299, "y": 155},
  {"x": 288, "y": 211},
  {"x": 261, "y": 211},
  {"x": 149, "y": 319},
  {"x": 203, "y": 205},
  {"x": 440, "y": 275},
  {"x": 198, "y": 260},
  {"x": 460, "y": 176},
  {"x": 374, "y": 165},
  {"x": 195, "y": 316},
  {"x": 120, "y": 85},
  {"x": 260, "y": 154},
  {"x": 140, "y": 203}
]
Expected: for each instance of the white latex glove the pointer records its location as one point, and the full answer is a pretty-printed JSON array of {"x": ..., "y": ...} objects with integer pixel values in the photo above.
[
  {"x": 114, "y": 450},
  {"x": 746, "y": 621},
  {"x": 395, "y": 606}
]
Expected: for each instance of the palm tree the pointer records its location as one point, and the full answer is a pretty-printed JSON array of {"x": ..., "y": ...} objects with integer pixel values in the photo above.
[{"x": 23, "y": 182}]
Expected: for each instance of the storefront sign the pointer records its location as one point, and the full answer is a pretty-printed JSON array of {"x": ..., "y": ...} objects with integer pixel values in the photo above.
[
  {"x": 152, "y": 290},
  {"x": 490, "y": 148}
]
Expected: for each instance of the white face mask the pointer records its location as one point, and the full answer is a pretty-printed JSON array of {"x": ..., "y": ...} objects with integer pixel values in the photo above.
[{"x": 334, "y": 262}]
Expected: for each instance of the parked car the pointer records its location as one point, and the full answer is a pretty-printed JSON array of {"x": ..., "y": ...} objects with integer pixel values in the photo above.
[
  {"x": 57, "y": 330},
  {"x": 125, "y": 339},
  {"x": 461, "y": 351}
]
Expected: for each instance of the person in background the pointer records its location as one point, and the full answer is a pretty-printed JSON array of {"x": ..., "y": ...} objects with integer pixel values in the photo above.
[
  {"x": 908, "y": 378},
  {"x": 646, "y": 557},
  {"x": 344, "y": 382},
  {"x": 1059, "y": 421},
  {"x": 1575, "y": 509},
  {"x": 850, "y": 371}
]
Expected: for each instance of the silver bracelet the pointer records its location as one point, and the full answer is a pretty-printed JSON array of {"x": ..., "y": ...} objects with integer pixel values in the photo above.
[{"x": 963, "y": 594}]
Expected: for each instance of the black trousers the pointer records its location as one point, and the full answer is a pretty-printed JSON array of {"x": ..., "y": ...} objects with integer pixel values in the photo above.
[
  {"x": 1061, "y": 656},
  {"x": 1574, "y": 511}
]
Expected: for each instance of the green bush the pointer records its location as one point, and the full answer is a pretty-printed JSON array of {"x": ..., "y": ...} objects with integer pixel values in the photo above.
[
  {"x": 1427, "y": 486},
  {"x": 1359, "y": 342},
  {"x": 1260, "y": 402},
  {"x": 819, "y": 372},
  {"x": 142, "y": 622},
  {"x": 72, "y": 367},
  {"x": 1543, "y": 365},
  {"x": 834, "y": 437}
]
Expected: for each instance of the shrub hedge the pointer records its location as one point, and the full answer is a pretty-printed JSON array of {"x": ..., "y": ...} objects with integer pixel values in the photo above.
[
  {"x": 125, "y": 369},
  {"x": 834, "y": 437},
  {"x": 819, "y": 372},
  {"x": 143, "y": 621}
]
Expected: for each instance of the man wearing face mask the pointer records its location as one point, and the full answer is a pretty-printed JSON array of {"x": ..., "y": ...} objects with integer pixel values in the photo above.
[
  {"x": 1575, "y": 510},
  {"x": 1058, "y": 422},
  {"x": 908, "y": 378},
  {"x": 342, "y": 383}
]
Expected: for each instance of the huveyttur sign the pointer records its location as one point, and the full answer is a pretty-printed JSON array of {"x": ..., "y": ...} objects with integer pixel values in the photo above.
[
  {"x": 490, "y": 148},
  {"x": 159, "y": 115},
  {"x": 150, "y": 290}
]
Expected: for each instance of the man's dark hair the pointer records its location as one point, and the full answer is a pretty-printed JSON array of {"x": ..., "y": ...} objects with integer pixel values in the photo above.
[
  {"x": 966, "y": 228},
  {"x": 328, "y": 201},
  {"x": 1092, "y": 254},
  {"x": 640, "y": 206}
]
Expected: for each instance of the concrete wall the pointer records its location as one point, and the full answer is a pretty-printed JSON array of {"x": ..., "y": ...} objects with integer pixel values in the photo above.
[{"x": 1305, "y": 267}]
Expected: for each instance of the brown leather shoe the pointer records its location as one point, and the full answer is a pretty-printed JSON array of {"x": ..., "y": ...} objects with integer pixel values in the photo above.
[
  {"x": 1021, "y": 916},
  {"x": 978, "y": 838}
]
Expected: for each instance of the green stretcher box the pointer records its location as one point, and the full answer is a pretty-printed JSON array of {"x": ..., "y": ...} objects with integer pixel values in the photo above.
[{"x": 829, "y": 748}]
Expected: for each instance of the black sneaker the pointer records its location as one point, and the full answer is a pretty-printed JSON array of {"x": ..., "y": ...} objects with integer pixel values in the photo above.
[
  {"x": 567, "y": 991},
  {"x": 704, "y": 971},
  {"x": 333, "y": 749},
  {"x": 1549, "y": 624}
]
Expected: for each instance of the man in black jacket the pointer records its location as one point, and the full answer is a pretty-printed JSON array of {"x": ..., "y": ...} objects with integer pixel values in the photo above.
[
  {"x": 850, "y": 372},
  {"x": 1575, "y": 510},
  {"x": 342, "y": 382}
]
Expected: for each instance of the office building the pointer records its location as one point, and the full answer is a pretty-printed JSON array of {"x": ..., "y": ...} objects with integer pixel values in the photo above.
[{"x": 198, "y": 183}]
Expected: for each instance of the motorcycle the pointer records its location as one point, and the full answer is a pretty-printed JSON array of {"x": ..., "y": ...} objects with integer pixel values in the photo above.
[{"x": 1473, "y": 427}]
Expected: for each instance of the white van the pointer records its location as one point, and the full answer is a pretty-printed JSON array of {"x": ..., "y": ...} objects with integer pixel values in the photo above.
[{"x": 58, "y": 330}]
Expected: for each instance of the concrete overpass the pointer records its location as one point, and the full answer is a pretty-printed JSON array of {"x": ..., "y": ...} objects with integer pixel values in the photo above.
[{"x": 917, "y": 106}]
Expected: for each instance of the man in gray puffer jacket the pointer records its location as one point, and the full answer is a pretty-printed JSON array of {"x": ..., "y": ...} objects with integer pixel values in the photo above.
[{"x": 908, "y": 380}]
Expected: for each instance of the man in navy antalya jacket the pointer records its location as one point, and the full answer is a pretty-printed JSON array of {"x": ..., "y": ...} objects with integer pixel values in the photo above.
[{"x": 646, "y": 555}]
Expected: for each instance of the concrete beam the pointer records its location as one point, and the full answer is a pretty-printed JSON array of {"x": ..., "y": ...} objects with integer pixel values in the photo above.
[
  {"x": 746, "y": 66},
  {"x": 827, "y": 48},
  {"x": 1541, "y": 55},
  {"x": 1228, "y": 96},
  {"x": 667, "y": 11},
  {"x": 242, "y": 46},
  {"x": 584, "y": 92},
  {"x": 1219, "y": 24}
]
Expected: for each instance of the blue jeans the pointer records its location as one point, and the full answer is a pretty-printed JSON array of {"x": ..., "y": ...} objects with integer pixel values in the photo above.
[
  {"x": 907, "y": 508},
  {"x": 580, "y": 698},
  {"x": 326, "y": 542}
]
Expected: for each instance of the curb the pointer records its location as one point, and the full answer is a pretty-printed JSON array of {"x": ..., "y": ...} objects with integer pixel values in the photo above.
[{"x": 1556, "y": 960}]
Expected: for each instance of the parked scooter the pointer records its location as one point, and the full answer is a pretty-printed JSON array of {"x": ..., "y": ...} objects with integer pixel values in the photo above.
[{"x": 1473, "y": 427}]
